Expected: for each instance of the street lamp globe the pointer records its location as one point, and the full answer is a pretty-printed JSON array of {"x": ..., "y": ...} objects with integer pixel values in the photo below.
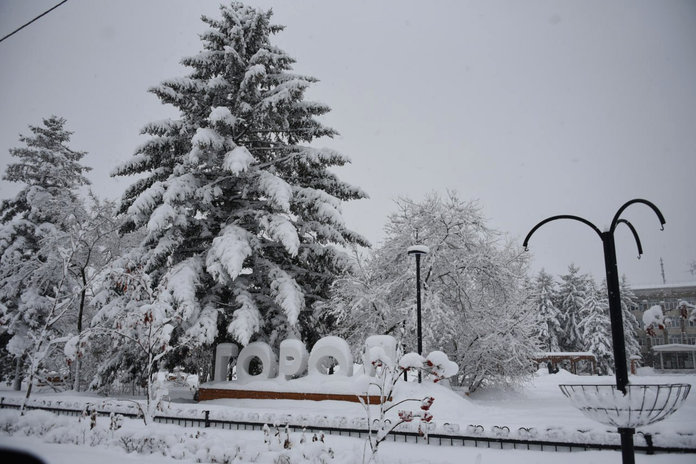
[{"x": 418, "y": 250}]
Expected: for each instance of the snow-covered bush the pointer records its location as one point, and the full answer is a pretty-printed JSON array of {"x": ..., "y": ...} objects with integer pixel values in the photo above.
[{"x": 389, "y": 373}]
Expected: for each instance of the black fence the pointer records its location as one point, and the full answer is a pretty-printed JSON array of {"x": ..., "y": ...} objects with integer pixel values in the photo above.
[{"x": 437, "y": 439}]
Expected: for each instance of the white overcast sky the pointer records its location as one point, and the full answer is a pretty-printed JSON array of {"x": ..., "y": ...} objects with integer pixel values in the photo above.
[{"x": 535, "y": 108}]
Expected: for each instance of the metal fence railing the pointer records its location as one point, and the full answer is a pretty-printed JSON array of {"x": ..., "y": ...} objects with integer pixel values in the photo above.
[{"x": 438, "y": 439}]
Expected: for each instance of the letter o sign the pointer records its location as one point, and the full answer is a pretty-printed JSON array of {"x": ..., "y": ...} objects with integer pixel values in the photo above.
[{"x": 331, "y": 347}]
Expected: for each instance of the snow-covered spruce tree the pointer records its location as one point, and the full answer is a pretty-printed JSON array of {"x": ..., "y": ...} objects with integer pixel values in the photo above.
[
  {"x": 572, "y": 293},
  {"x": 234, "y": 200},
  {"x": 473, "y": 300},
  {"x": 630, "y": 323},
  {"x": 36, "y": 287},
  {"x": 595, "y": 327},
  {"x": 549, "y": 327}
]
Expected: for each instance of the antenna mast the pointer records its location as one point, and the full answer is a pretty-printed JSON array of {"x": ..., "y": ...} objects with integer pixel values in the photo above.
[{"x": 662, "y": 271}]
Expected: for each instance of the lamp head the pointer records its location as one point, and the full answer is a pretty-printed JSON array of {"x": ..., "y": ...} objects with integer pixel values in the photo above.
[{"x": 418, "y": 250}]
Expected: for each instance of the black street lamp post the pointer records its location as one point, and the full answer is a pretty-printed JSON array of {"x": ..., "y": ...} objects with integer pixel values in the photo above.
[
  {"x": 418, "y": 251},
  {"x": 616, "y": 318}
]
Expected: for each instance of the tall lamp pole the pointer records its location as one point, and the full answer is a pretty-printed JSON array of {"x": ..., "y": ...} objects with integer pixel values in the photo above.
[
  {"x": 616, "y": 318},
  {"x": 418, "y": 251}
]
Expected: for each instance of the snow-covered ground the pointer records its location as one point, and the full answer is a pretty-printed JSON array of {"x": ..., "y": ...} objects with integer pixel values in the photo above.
[
  {"x": 347, "y": 451},
  {"x": 539, "y": 407}
]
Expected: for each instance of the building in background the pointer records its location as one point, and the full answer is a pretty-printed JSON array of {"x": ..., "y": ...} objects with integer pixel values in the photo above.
[{"x": 680, "y": 326}]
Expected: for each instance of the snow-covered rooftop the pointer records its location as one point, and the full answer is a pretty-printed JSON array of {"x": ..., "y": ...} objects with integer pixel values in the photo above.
[
  {"x": 562, "y": 353},
  {"x": 659, "y": 286},
  {"x": 674, "y": 347}
]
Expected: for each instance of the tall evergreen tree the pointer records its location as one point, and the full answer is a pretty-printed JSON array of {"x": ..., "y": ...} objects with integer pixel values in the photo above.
[
  {"x": 239, "y": 210},
  {"x": 36, "y": 287},
  {"x": 630, "y": 323},
  {"x": 571, "y": 300},
  {"x": 549, "y": 326},
  {"x": 595, "y": 327}
]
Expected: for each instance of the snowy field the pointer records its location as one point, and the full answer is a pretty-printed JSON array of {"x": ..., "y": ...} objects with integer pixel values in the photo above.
[{"x": 538, "y": 407}]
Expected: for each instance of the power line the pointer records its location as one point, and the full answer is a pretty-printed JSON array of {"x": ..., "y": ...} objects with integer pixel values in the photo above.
[{"x": 25, "y": 25}]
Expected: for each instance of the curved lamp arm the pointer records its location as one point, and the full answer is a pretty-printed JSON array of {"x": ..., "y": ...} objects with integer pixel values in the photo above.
[
  {"x": 635, "y": 235},
  {"x": 615, "y": 221},
  {"x": 562, "y": 216}
]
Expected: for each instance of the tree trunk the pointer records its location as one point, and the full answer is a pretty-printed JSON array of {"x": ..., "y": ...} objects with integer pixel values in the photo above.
[
  {"x": 17, "y": 384},
  {"x": 31, "y": 383},
  {"x": 78, "y": 366},
  {"x": 26, "y": 397},
  {"x": 148, "y": 413},
  {"x": 78, "y": 358}
]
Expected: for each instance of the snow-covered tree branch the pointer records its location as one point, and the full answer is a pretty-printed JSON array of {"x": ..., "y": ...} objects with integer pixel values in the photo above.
[{"x": 474, "y": 301}]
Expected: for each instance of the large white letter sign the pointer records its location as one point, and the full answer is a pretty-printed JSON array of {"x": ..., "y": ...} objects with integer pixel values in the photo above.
[
  {"x": 331, "y": 347},
  {"x": 293, "y": 359},
  {"x": 265, "y": 354},
  {"x": 223, "y": 353}
]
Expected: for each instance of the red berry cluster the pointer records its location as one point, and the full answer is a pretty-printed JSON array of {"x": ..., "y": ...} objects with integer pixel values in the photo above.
[{"x": 406, "y": 416}]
